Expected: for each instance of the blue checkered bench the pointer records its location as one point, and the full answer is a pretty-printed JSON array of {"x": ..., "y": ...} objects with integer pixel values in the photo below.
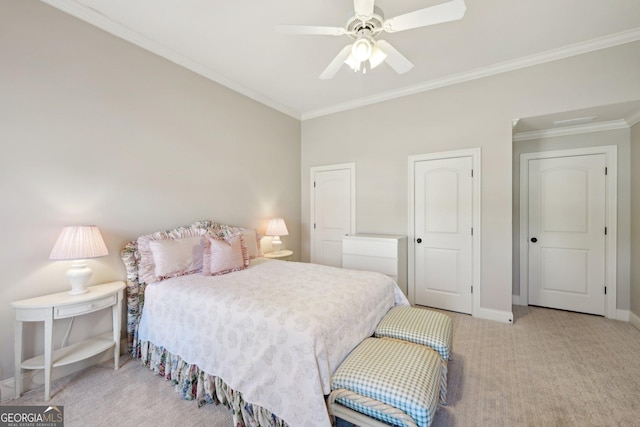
[
  {"x": 388, "y": 381},
  {"x": 421, "y": 326}
]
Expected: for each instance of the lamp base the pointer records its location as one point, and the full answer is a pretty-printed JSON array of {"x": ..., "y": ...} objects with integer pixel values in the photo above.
[
  {"x": 78, "y": 275},
  {"x": 276, "y": 244}
]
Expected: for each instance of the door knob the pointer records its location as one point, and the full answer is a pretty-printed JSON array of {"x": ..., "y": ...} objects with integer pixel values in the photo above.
[
  {"x": 419, "y": 240},
  {"x": 533, "y": 239}
]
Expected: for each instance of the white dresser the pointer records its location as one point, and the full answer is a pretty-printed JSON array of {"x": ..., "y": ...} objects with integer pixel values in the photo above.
[{"x": 386, "y": 254}]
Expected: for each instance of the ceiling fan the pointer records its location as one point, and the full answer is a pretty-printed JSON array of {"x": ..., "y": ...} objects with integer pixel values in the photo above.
[{"x": 365, "y": 27}]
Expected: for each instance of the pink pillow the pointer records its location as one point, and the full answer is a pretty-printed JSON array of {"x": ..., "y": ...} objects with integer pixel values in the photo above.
[
  {"x": 252, "y": 240},
  {"x": 168, "y": 259},
  {"x": 223, "y": 256},
  {"x": 174, "y": 257},
  {"x": 251, "y": 237}
]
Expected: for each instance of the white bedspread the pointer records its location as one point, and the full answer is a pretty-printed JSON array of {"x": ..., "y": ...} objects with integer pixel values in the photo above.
[{"x": 275, "y": 331}]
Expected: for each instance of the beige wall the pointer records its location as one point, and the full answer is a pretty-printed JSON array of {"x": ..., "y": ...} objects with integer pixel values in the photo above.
[
  {"x": 619, "y": 138},
  {"x": 635, "y": 224},
  {"x": 380, "y": 137},
  {"x": 96, "y": 130}
]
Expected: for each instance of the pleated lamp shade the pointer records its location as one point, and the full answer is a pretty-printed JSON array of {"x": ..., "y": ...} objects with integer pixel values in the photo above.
[
  {"x": 276, "y": 228},
  {"x": 79, "y": 243}
]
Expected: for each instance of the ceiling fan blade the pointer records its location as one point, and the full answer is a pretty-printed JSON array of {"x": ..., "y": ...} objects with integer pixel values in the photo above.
[
  {"x": 311, "y": 30},
  {"x": 395, "y": 59},
  {"x": 337, "y": 62},
  {"x": 445, "y": 12},
  {"x": 363, "y": 8}
]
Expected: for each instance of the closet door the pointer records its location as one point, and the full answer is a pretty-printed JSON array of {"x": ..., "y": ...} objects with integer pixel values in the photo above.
[
  {"x": 443, "y": 245},
  {"x": 567, "y": 209},
  {"x": 332, "y": 212}
]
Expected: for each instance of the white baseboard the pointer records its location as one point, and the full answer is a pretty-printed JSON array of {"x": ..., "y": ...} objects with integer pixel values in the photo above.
[
  {"x": 32, "y": 379},
  {"x": 622, "y": 315},
  {"x": 7, "y": 390},
  {"x": 497, "y": 315},
  {"x": 634, "y": 319}
]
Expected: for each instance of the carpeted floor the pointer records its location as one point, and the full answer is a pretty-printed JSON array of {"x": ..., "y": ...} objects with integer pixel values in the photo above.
[{"x": 550, "y": 368}]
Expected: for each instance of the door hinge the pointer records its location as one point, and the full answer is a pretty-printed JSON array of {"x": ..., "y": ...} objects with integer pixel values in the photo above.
[
  {"x": 605, "y": 290},
  {"x": 314, "y": 184},
  {"x": 471, "y": 289},
  {"x": 605, "y": 231},
  {"x": 605, "y": 170},
  {"x": 314, "y": 225},
  {"x": 472, "y": 231},
  {"x": 471, "y": 173}
]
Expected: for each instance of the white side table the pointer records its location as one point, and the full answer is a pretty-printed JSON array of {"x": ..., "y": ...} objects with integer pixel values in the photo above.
[
  {"x": 284, "y": 255},
  {"x": 60, "y": 306}
]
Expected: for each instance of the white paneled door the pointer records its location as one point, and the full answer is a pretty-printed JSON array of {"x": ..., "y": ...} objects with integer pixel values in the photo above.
[
  {"x": 443, "y": 246},
  {"x": 332, "y": 212},
  {"x": 567, "y": 209}
]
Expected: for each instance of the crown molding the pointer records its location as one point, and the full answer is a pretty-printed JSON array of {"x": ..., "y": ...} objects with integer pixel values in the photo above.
[
  {"x": 503, "y": 67},
  {"x": 97, "y": 19},
  {"x": 571, "y": 130},
  {"x": 634, "y": 119}
]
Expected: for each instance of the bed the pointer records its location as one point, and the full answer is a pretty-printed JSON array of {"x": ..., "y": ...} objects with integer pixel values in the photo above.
[{"x": 262, "y": 339}]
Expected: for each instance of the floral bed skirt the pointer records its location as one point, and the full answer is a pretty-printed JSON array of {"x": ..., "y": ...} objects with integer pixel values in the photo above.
[{"x": 194, "y": 384}]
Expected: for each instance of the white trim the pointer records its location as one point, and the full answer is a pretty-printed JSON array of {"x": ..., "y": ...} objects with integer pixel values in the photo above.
[
  {"x": 514, "y": 123},
  {"x": 312, "y": 171},
  {"x": 475, "y": 154},
  {"x": 634, "y": 119},
  {"x": 96, "y": 19},
  {"x": 496, "y": 315},
  {"x": 622, "y": 315},
  {"x": 8, "y": 387},
  {"x": 634, "y": 319},
  {"x": 611, "y": 161},
  {"x": 99, "y": 20},
  {"x": 502, "y": 67},
  {"x": 571, "y": 130}
]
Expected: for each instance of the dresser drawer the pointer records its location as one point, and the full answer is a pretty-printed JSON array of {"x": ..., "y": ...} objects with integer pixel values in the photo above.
[
  {"x": 84, "y": 307},
  {"x": 386, "y": 254},
  {"x": 388, "y": 266},
  {"x": 370, "y": 247}
]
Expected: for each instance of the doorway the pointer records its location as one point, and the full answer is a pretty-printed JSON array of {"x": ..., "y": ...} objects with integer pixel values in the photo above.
[
  {"x": 333, "y": 211},
  {"x": 444, "y": 230},
  {"x": 567, "y": 229}
]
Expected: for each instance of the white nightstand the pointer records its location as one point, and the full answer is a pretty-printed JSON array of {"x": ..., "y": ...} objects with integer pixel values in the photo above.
[
  {"x": 60, "y": 306},
  {"x": 284, "y": 255}
]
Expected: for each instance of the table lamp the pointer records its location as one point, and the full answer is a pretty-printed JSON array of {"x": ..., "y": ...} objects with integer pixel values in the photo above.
[
  {"x": 78, "y": 243},
  {"x": 276, "y": 228}
]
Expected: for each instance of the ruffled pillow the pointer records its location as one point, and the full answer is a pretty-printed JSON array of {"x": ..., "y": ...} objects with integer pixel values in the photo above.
[
  {"x": 251, "y": 237},
  {"x": 224, "y": 255},
  {"x": 252, "y": 240},
  {"x": 170, "y": 254}
]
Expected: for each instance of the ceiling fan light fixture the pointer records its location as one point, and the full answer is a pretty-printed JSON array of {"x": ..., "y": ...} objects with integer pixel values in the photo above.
[
  {"x": 352, "y": 63},
  {"x": 362, "y": 49},
  {"x": 365, "y": 27},
  {"x": 377, "y": 57}
]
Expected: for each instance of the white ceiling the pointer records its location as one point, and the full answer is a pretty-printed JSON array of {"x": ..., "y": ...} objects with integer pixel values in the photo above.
[{"x": 235, "y": 44}]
